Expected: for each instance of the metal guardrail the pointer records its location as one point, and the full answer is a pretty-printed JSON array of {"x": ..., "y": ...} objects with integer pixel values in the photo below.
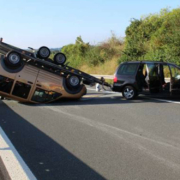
[
  {"x": 112, "y": 76},
  {"x": 104, "y": 76}
]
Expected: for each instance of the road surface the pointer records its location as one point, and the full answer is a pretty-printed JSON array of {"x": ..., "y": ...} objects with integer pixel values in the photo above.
[{"x": 102, "y": 136}]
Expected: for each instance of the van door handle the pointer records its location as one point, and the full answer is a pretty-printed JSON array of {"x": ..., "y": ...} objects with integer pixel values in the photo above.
[
  {"x": 30, "y": 82},
  {"x": 38, "y": 85}
]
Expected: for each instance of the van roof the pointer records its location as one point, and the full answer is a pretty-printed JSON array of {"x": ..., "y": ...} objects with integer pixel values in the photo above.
[{"x": 148, "y": 61}]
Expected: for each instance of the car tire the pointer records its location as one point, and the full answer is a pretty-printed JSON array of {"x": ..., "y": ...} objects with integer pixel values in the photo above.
[
  {"x": 13, "y": 59},
  {"x": 129, "y": 92},
  {"x": 43, "y": 52},
  {"x": 59, "y": 58},
  {"x": 73, "y": 82}
]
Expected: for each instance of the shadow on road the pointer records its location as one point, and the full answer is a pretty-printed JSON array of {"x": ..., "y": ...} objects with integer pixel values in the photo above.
[
  {"x": 106, "y": 100},
  {"x": 47, "y": 159}
]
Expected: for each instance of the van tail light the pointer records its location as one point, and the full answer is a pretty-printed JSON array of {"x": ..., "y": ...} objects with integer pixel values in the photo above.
[{"x": 115, "y": 79}]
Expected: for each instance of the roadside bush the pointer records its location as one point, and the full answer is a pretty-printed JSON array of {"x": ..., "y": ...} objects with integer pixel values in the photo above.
[
  {"x": 155, "y": 37},
  {"x": 93, "y": 56}
]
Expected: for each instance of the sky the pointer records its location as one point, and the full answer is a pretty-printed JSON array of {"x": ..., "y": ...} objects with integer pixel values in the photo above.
[{"x": 55, "y": 23}]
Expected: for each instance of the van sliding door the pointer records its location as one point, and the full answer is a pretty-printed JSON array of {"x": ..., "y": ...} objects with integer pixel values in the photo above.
[
  {"x": 153, "y": 77},
  {"x": 24, "y": 82},
  {"x": 175, "y": 80}
]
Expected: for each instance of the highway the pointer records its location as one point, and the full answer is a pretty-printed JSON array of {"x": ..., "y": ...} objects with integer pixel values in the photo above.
[{"x": 100, "y": 137}]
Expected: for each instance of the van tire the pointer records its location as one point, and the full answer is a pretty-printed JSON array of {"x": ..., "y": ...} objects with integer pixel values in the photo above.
[
  {"x": 59, "y": 58},
  {"x": 129, "y": 92},
  {"x": 73, "y": 82},
  {"x": 13, "y": 59},
  {"x": 43, "y": 52}
]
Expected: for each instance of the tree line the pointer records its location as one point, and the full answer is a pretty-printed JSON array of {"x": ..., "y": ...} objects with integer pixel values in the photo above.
[{"x": 154, "y": 37}]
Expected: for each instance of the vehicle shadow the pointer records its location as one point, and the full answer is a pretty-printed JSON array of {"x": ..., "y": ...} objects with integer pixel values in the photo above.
[
  {"x": 107, "y": 100},
  {"x": 47, "y": 159}
]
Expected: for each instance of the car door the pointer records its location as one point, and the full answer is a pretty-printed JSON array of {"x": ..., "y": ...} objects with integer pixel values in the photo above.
[
  {"x": 141, "y": 78},
  {"x": 175, "y": 80},
  {"x": 24, "y": 82},
  {"x": 153, "y": 77}
]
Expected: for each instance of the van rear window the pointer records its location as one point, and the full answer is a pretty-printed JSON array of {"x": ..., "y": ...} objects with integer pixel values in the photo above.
[{"x": 127, "y": 69}]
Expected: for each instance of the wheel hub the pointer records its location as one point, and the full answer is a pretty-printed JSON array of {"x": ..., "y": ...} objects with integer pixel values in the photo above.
[
  {"x": 60, "y": 58},
  {"x": 44, "y": 52},
  {"x": 74, "y": 81},
  {"x": 129, "y": 93},
  {"x": 14, "y": 58}
]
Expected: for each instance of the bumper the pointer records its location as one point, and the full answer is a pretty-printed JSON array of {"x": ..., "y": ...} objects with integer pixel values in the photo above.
[{"x": 117, "y": 87}]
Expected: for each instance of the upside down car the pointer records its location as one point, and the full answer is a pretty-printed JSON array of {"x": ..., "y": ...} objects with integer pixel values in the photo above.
[{"x": 30, "y": 76}]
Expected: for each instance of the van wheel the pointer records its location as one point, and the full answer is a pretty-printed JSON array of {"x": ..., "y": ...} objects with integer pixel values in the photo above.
[
  {"x": 13, "y": 59},
  {"x": 43, "y": 52},
  {"x": 59, "y": 58},
  {"x": 73, "y": 82},
  {"x": 129, "y": 92}
]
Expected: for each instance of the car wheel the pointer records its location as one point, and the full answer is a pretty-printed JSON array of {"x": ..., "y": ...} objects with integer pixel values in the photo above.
[
  {"x": 59, "y": 58},
  {"x": 73, "y": 82},
  {"x": 43, "y": 52},
  {"x": 129, "y": 92},
  {"x": 13, "y": 59}
]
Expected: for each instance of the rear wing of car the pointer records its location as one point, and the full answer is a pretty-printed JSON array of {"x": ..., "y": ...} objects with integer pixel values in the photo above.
[{"x": 62, "y": 70}]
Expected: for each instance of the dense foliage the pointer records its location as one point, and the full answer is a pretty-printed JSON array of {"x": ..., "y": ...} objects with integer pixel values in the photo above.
[
  {"x": 82, "y": 53},
  {"x": 155, "y": 37}
]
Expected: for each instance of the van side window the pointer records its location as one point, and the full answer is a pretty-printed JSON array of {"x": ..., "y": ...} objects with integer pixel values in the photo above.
[
  {"x": 6, "y": 84},
  {"x": 21, "y": 90},
  {"x": 127, "y": 69},
  {"x": 41, "y": 95}
]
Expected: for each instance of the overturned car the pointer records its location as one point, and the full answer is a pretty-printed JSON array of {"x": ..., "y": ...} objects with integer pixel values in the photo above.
[{"x": 30, "y": 76}]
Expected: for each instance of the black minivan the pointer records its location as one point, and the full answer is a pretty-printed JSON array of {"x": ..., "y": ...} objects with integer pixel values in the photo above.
[{"x": 147, "y": 77}]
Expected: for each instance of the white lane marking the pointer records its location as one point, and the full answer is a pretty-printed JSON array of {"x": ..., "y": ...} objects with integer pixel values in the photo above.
[
  {"x": 163, "y": 100},
  {"x": 103, "y": 91},
  {"x": 13, "y": 162}
]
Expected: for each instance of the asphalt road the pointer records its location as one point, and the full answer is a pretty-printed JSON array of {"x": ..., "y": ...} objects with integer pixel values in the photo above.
[{"x": 99, "y": 137}]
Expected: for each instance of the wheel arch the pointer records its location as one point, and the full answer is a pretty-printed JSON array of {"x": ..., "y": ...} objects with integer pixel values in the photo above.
[{"x": 128, "y": 84}]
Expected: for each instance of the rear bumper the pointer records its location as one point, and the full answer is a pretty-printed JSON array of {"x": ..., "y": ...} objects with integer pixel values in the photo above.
[{"x": 117, "y": 88}]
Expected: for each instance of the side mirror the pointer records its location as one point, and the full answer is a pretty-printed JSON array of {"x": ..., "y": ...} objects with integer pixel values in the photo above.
[{"x": 1, "y": 39}]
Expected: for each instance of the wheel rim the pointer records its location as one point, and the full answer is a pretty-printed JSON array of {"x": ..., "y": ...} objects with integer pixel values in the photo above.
[
  {"x": 44, "y": 52},
  {"x": 128, "y": 92},
  {"x": 74, "y": 80},
  {"x": 60, "y": 58},
  {"x": 14, "y": 58}
]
